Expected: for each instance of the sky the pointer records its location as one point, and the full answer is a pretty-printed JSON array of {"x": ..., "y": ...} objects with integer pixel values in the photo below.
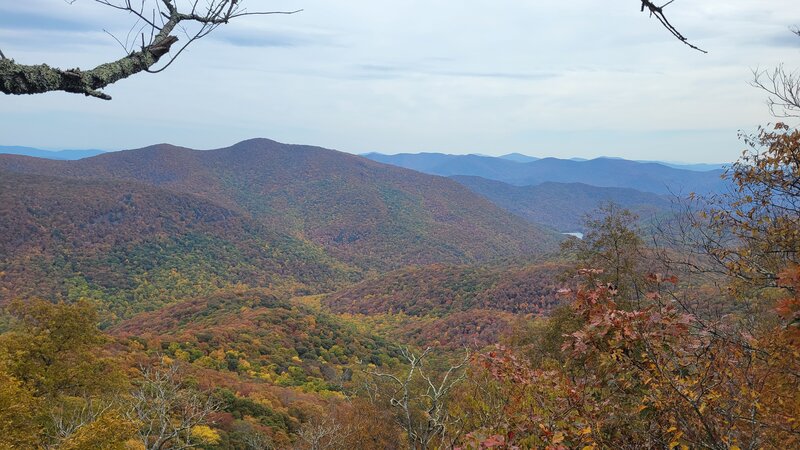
[{"x": 578, "y": 78}]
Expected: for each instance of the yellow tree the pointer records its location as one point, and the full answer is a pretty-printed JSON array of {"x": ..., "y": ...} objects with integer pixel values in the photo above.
[{"x": 58, "y": 387}]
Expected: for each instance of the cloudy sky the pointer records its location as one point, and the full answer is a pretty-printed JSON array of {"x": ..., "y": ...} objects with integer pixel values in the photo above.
[{"x": 578, "y": 78}]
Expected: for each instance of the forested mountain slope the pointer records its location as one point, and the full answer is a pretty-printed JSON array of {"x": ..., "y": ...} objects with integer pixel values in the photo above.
[
  {"x": 451, "y": 306},
  {"x": 564, "y": 206},
  {"x": 438, "y": 290},
  {"x": 372, "y": 215},
  {"x": 254, "y": 333},
  {"x": 133, "y": 247}
]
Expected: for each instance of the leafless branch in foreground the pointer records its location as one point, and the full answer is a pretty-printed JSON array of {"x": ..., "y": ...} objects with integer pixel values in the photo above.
[
  {"x": 151, "y": 37},
  {"x": 783, "y": 89},
  {"x": 658, "y": 13}
]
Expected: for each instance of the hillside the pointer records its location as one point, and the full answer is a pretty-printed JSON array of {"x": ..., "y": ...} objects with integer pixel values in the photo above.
[
  {"x": 135, "y": 247},
  {"x": 257, "y": 335},
  {"x": 603, "y": 172},
  {"x": 365, "y": 213},
  {"x": 564, "y": 206},
  {"x": 438, "y": 290},
  {"x": 270, "y": 362},
  {"x": 448, "y": 305}
]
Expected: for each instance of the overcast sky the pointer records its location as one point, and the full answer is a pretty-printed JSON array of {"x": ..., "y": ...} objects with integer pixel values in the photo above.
[{"x": 578, "y": 78}]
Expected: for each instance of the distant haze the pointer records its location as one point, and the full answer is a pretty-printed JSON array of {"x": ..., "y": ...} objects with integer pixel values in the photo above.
[
  {"x": 49, "y": 154},
  {"x": 71, "y": 154}
]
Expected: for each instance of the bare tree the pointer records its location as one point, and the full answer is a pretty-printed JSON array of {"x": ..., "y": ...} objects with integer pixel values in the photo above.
[
  {"x": 421, "y": 399},
  {"x": 783, "y": 89},
  {"x": 153, "y": 34},
  {"x": 65, "y": 421},
  {"x": 323, "y": 434},
  {"x": 168, "y": 410},
  {"x": 256, "y": 440}
]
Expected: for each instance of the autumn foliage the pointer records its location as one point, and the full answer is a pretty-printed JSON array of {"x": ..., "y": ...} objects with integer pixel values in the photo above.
[
  {"x": 178, "y": 317},
  {"x": 656, "y": 373}
]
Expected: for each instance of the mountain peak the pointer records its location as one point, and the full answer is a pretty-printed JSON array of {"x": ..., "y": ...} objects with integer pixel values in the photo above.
[
  {"x": 519, "y": 157},
  {"x": 362, "y": 213}
]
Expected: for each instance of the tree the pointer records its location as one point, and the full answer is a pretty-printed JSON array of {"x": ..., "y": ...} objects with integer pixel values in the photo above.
[
  {"x": 370, "y": 425},
  {"x": 53, "y": 349},
  {"x": 652, "y": 377},
  {"x": 782, "y": 88},
  {"x": 171, "y": 415},
  {"x": 55, "y": 387},
  {"x": 256, "y": 440},
  {"x": 19, "y": 411},
  {"x": 754, "y": 229},
  {"x": 654, "y": 373},
  {"x": 155, "y": 30},
  {"x": 323, "y": 433},
  {"x": 421, "y": 399},
  {"x": 612, "y": 250}
]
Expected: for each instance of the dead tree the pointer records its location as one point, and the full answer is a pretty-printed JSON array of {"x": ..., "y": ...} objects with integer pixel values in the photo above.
[
  {"x": 323, "y": 433},
  {"x": 167, "y": 410},
  {"x": 65, "y": 422},
  {"x": 153, "y": 35},
  {"x": 782, "y": 87},
  {"x": 421, "y": 398},
  {"x": 255, "y": 440}
]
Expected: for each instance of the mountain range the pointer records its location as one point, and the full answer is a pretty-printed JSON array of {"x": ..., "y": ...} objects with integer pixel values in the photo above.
[
  {"x": 262, "y": 213},
  {"x": 295, "y": 219},
  {"x": 49, "y": 154},
  {"x": 519, "y": 170},
  {"x": 516, "y": 157}
]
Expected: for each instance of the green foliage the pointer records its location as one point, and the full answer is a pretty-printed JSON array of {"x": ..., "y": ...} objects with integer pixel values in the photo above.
[
  {"x": 52, "y": 349},
  {"x": 241, "y": 408},
  {"x": 19, "y": 414},
  {"x": 51, "y": 375},
  {"x": 612, "y": 251}
]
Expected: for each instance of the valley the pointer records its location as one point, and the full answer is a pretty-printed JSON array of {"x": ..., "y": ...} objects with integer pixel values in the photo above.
[{"x": 295, "y": 285}]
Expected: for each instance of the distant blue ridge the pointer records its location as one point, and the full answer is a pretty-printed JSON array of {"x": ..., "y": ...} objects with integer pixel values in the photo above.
[{"x": 49, "y": 154}]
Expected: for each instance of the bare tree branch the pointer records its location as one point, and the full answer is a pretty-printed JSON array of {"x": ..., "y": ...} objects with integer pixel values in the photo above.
[
  {"x": 423, "y": 409},
  {"x": 159, "y": 21},
  {"x": 783, "y": 88},
  {"x": 323, "y": 433},
  {"x": 66, "y": 422},
  {"x": 658, "y": 13},
  {"x": 167, "y": 409}
]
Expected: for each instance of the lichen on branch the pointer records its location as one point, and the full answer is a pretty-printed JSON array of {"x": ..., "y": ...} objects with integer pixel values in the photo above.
[{"x": 156, "y": 21}]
